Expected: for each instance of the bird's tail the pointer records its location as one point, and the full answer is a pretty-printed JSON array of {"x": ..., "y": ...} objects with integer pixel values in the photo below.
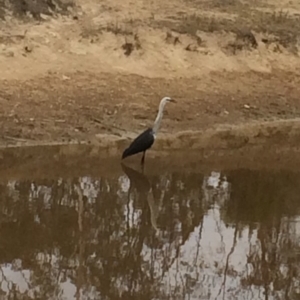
[{"x": 125, "y": 153}]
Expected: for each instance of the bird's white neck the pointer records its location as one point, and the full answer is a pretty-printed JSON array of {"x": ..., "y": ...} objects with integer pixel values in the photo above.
[{"x": 159, "y": 116}]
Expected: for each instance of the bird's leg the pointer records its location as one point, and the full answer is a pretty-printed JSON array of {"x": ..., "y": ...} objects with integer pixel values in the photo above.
[
  {"x": 143, "y": 161},
  {"x": 143, "y": 158}
]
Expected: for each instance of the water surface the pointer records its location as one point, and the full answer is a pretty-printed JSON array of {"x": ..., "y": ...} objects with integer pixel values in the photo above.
[{"x": 218, "y": 234}]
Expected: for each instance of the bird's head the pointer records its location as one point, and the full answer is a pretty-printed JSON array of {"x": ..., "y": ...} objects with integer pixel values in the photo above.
[{"x": 168, "y": 99}]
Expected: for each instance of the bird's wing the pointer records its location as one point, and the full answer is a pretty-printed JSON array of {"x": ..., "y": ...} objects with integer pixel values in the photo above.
[{"x": 141, "y": 143}]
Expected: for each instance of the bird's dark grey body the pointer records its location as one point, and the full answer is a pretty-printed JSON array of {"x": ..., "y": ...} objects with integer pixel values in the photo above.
[{"x": 140, "y": 144}]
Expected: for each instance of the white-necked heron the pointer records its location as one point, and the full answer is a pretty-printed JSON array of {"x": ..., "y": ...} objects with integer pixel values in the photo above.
[{"x": 146, "y": 139}]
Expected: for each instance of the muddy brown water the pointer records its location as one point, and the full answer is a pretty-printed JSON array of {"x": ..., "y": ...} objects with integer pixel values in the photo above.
[{"x": 211, "y": 225}]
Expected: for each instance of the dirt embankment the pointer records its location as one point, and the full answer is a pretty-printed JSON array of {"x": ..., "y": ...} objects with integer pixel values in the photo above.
[{"x": 82, "y": 71}]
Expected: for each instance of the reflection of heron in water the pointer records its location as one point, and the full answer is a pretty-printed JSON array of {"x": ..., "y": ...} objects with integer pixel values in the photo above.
[
  {"x": 146, "y": 139},
  {"x": 143, "y": 186},
  {"x": 137, "y": 179}
]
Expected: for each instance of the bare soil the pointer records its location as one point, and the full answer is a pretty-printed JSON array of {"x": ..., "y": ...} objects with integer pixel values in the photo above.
[{"x": 82, "y": 72}]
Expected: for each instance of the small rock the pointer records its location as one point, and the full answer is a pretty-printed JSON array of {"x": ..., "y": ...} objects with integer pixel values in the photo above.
[
  {"x": 246, "y": 106},
  {"x": 171, "y": 39},
  {"x": 31, "y": 119},
  {"x": 8, "y": 53},
  {"x": 28, "y": 49},
  {"x": 44, "y": 17},
  {"x": 191, "y": 47},
  {"x": 64, "y": 77}
]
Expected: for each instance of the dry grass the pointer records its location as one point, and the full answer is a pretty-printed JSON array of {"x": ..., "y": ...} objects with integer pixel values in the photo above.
[
  {"x": 241, "y": 17},
  {"x": 91, "y": 31},
  {"x": 244, "y": 19},
  {"x": 34, "y": 8},
  {"x": 116, "y": 28}
]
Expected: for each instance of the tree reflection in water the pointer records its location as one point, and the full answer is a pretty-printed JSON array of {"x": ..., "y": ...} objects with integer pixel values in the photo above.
[{"x": 173, "y": 235}]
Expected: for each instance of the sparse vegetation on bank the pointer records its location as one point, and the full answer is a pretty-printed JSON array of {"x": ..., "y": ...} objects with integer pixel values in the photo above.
[{"x": 34, "y": 9}]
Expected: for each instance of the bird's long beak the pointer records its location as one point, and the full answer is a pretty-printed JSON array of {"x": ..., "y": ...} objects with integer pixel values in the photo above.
[{"x": 173, "y": 100}]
